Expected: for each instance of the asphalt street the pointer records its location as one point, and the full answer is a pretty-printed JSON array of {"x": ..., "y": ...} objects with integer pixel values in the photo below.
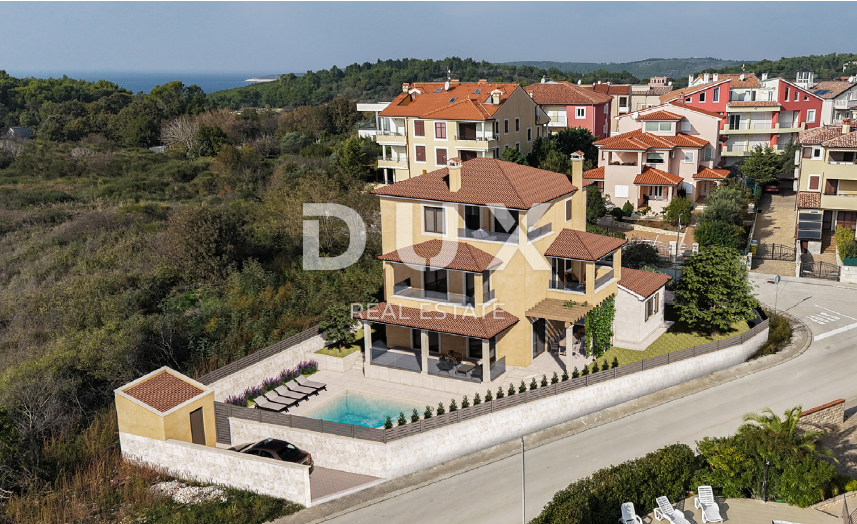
[{"x": 492, "y": 493}]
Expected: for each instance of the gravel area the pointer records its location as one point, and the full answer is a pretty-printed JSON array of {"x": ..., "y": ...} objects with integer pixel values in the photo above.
[{"x": 184, "y": 494}]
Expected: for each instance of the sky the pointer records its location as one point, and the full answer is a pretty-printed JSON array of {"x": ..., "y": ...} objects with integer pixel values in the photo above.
[{"x": 280, "y": 37}]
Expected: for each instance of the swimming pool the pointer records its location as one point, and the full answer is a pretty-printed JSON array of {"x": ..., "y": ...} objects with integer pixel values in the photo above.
[{"x": 362, "y": 409}]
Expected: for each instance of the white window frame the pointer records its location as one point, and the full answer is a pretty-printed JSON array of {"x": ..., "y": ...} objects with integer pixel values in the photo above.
[
  {"x": 656, "y": 191},
  {"x": 566, "y": 209},
  {"x": 702, "y": 97},
  {"x": 816, "y": 153},
  {"x": 579, "y": 113},
  {"x": 621, "y": 191},
  {"x": 435, "y": 156},
  {"x": 423, "y": 222},
  {"x": 663, "y": 158},
  {"x": 649, "y": 125},
  {"x": 689, "y": 157},
  {"x": 797, "y": 95},
  {"x": 809, "y": 183},
  {"x": 688, "y": 99},
  {"x": 810, "y": 116},
  {"x": 415, "y": 154},
  {"x": 715, "y": 94},
  {"x": 424, "y": 128},
  {"x": 445, "y": 127}
]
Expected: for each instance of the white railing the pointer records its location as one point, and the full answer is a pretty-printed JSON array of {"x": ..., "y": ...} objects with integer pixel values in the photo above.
[
  {"x": 841, "y": 162},
  {"x": 394, "y": 158},
  {"x": 738, "y": 147},
  {"x": 844, "y": 103},
  {"x": 387, "y": 132},
  {"x": 558, "y": 120},
  {"x": 487, "y": 138}
]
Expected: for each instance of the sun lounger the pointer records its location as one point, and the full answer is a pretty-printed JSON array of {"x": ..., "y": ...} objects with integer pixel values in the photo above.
[
  {"x": 277, "y": 399},
  {"x": 310, "y": 384},
  {"x": 705, "y": 501},
  {"x": 629, "y": 516},
  {"x": 284, "y": 392},
  {"x": 665, "y": 510},
  {"x": 263, "y": 403},
  {"x": 297, "y": 388}
]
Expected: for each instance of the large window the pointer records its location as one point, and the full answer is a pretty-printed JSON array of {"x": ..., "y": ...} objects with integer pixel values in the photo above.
[
  {"x": 440, "y": 156},
  {"x": 433, "y": 220},
  {"x": 715, "y": 95},
  {"x": 810, "y": 116},
  {"x": 421, "y": 153},
  {"x": 440, "y": 130},
  {"x": 568, "y": 210},
  {"x": 652, "y": 305},
  {"x": 708, "y": 152},
  {"x": 472, "y": 217},
  {"x": 435, "y": 282},
  {"x": 580, "y": 112},
  {"x": 621, "y": 191},
  {"x": 654, "y": 158},
  {"x": 659, "y": 126},
  {"x": 419, "y": 128},
  {"x": 688, "y": 157}
]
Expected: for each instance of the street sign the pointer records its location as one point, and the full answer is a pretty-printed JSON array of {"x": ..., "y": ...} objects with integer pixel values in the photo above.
[{"x": 776, "y": 279}]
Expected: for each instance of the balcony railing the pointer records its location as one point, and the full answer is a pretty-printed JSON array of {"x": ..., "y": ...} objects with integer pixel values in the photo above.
[
  {"x": 579, "y": 287},
  {"x": 656, "y": 198},
  {"x": 488, "y": 296},
  {"x": 603, "y": 279},
  {"x": 844, "y": 104},
  {"x": 750, "y": 125},
  {"x": 437, "y": 296},
  {"x": 487, "y": 138},
  {"x": 841, "y": 162},
  {"x": 394, "y": 158},
  {"x": 738, "y": 147},
  {"x": 539, "y": 231},
  {"x": 387, "y": 132},
  {"x": 488, "y": 236},
  {"x": 558, "y": 120}
]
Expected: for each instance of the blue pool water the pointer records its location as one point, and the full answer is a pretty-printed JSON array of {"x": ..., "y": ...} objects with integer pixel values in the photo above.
[{"x": 362, "y": 409}]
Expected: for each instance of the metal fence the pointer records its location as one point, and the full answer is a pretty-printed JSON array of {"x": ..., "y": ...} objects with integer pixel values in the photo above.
[
  {"x": 258, "y": 356},
  {"x": 818, "y": 269},
  {"x": 223, "y": 411},
  {"x": 771, "y": 251}
]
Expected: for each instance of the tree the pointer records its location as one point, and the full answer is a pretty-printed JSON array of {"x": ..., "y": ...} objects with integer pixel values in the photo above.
[
  {"x": 803, "y": 439},
  {"x": 595, "y": 207},
  {"x": 637, "y": 255},
  {"x": 788, "y": 156},
  {"x": 718, "y": 233},
  {"x": 511, "y": 154},
  {"x": 727, "y": 203},
  {"x": 678, "y": 208},
  {"x": 337, "y": 324},
  {"x": 571, "y": 140},
  {"x": 203, "y": 242},
  {"x": 355, "y": 156},
  {"x": 179, "y": 132},
  {"x": 714, "y": 291},
  {"x": 762, "y": 165}
]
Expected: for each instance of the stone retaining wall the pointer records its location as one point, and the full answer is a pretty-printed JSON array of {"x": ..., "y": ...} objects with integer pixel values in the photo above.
[
  {"x": 423, "y": 450},
  {"x": 847, "y": 274},
  {"x": 339, "y": 364},
  {"x": 828, "y": 414},
  {"x": 187, "y": 461}
]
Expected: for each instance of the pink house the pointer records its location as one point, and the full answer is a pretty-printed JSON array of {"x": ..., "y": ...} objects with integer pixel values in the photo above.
[{"x": 570, "y": 105}]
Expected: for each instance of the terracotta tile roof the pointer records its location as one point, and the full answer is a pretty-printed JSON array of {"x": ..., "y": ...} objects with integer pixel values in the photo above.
[
  {"x": 611, "y": 89},
  {"x": 831, "y": 88},
  {"x": 643, "y": 283},
  {"x": 581, "y": 245},
  {"x": 468, "y": 105},
  {"x": 848, "y": 140},
  {"x": 655, "y": 91},
  {"x": 641, "y": 141},
  {"x": 163, "y": 391},
  {"x": 433, "y": 320},
  {"x": 587, "y": 183},
  {"x": 808, "y": 200},
  {"x": 681, "y": 93},
  {"x": 660, "y": 115},
  {"x": 486, "y": 181},
  {"x": 707, "y": 173},
  {"x": 444, "y": 253},
  {"x": 565, "y": 93},
  {"x": 750, "y": 80},
  {"x": 698, "y": 110},
  {"x": 818, "y": 135},
  {"x": 652, "y": 176},
  {"x": 594, "y": 174},
  {"x": 757, "y": 103}
]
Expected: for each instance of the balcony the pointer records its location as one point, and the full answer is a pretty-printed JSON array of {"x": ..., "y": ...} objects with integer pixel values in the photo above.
[
  {"x": 476, "y": 141},
  {"x": 624, "y": 109},
  {"x": 537, "y": 232},
  {"x": 844, "y": 104},
  {"x": 789, "y": 127},
  {"x": 603, "y": 279},
  {"x": 576, "y": 287},
  {"x": 558, "y": 121},
  {"x": 488, "y": 296},
  {"x": 410, "y": 360},
  {"x": 386, "y": 136},
  {"x": 844, "y": 202},
  {"x": 395, "y": 161},
  {"x": 488, "y": 236},
  {"x": 749, "y": 128},
  {"x": 433, "y": 296}
]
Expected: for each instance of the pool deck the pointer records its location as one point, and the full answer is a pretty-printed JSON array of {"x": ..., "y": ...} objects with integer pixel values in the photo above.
[{"x": 750, "y": 511}]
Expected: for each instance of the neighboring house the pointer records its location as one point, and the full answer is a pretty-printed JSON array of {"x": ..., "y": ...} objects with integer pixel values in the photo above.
[
  {"x": 627, "y": 98},
  {"x": 572, "y": 105},
  {"x": 827, "y": 185},
  {"x": 490, "y": 260},
  {"x": 430, "y": 122},
  {"x": 659, "y": 153},
  {"x": 621, "y": 104},
  {"x": 648, "y": 95},
  {"x": 839, "y": 100},
  {"x": 19, "y": 133},
  {"x": 371, "y": 131},
  {"x": 766, "y": 111},
  {"x": 640, "y": 289}
]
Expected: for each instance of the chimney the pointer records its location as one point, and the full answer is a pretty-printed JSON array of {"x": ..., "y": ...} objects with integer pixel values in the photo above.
[
  {"x": 579, "y": 82},
  {"x": 764, "y": 76},
  {"x": 716, "y": 76},
  {"x": 578, "y": 200},
  {"x": 543, "y": 80},
  {"x": 405, "y": 88},
  {"x": 483, "y": 80},
  {"x": 446, "y": 86},
  {"x": 454, "y": 166},
  {"x": 689, "y": 79},
  {"x": 495, "y": 97},
  {"x": 846, "y": 126},
  {"x": 599, "y": 82},
  {"x": 741, "y": 77},
  {"x": 705, "y": 79}
]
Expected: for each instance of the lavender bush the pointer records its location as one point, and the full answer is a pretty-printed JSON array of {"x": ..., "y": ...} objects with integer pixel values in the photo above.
[{"x": 304, "y": 368}]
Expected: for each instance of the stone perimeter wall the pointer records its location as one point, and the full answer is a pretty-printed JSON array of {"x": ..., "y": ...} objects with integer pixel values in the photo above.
[
  {"x": 424, "y": 450},
  {"x": 828, "y": 414},
  {"x": 188, "y": 461},
  {"x": 270, "y": 367}
]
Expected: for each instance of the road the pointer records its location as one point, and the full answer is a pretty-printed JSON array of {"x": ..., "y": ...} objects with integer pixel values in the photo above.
[{"x": 492, "y": 493}]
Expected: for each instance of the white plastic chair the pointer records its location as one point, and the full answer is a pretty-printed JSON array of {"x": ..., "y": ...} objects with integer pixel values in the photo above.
[
  {"x": 629, "y": 516},
  {"x": 705, "y": 501},
  {"x": 665, "y": 510}
]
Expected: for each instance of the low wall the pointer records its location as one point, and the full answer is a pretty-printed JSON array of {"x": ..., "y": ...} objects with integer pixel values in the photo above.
[
  {"x": 339, "y": 364},
  {"x": 848, "y": 274},
  {"x": 253, "y": 375},
  {"x": 187, "y": 461},
  {"x": 825, "y": 415},
  {"x": 429, "y": 448}
]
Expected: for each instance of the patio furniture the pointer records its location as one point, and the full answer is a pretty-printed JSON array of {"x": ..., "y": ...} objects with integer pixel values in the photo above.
[
  {"x": 445, "y": 365},
  {"x": 263, "y": 403},
  {"x": 483, "y": 234},
  {"x": 310, "y": 384},
  {"x": 277, "y": 399},
  {"x": 705, "y": 501},
  {"x": 283, "y": 392},
  {"x": 297, "y": 388},
  {"x": 629, "y": 516},
  {"x": 665, "y": 510},
  {"x": 464, "y": 369}
]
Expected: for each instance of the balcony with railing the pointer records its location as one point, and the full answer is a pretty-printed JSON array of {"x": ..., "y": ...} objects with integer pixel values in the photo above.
[
  {"x": 604, "y": 274},
  {"x": 388, "y": 136},
  {"x": 845, "y": 104},
  {"x": 536, "y": 232},
  {"x": 406, "y": 291},
  {"x": 558, "y": 120},
  {"x": 485, "y": 235},
  {"x": 394, "y": 160}
]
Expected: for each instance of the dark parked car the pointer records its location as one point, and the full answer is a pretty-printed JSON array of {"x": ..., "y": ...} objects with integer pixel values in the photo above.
[
  {"x": 772, "y": 188},
  {"x": 278, "y": 450}
]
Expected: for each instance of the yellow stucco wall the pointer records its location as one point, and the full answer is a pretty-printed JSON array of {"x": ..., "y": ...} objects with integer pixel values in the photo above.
[
  {"x": 137, "y": 420},
  {"x": 177, "y": 423}
]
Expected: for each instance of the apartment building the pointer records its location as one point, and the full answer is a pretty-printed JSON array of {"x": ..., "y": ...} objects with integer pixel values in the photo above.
[
  {"x": 839, "y": 100},
  {"x": 571, "y": 105},
  {"x": 827, "y": 183},
  {"x": 621, "y": 103},
  {"x": 660, "y": 153},
  {"x": 757, "y": 111},
  {"x": 627, "y": 97},
  {"x": 430, "y": 122},
  {"x": 486, "y": 261}
]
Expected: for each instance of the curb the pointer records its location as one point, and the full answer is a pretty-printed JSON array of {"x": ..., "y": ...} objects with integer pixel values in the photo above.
[
  {"x": 801, "y": 340},
  {"x": 805, "y": 280}
]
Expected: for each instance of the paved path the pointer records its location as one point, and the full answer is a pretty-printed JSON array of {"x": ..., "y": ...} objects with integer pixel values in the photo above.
[
  {"x": 492, "y": 493},
  {"x": 776, "y": 224}
]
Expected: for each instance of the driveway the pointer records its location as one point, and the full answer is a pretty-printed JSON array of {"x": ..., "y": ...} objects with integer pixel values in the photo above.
[{"x": 776, "y": 224}]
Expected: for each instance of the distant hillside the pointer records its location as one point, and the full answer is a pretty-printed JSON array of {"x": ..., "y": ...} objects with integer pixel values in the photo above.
[{"x": 643, "y": 69}]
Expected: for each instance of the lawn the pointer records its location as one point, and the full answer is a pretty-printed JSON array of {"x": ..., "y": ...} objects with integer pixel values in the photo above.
[
  {"x": 355, "y": 344},
  {"x": 679, "y": 336}
]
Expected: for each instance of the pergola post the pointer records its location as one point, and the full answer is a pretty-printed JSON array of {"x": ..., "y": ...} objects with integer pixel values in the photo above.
[
  {"x": 424, "y": 351},
  {"x": 367, "y": 342},
  {"x": 569, "y": 345},
  {"x": 486, "y": 361}
]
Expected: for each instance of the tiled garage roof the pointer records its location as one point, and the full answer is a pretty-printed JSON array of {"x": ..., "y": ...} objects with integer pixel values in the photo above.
[
  {"x": 163, "y": 391},
  {"x": 642, "y": 283}
]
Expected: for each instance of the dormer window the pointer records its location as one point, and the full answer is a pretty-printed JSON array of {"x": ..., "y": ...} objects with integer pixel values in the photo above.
[
  {"x": 659, "y": 126},
  {"x": 654, "y": 158}
]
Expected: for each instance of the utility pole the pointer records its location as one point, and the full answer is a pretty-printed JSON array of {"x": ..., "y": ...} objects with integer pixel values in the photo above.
[
  {"x": 675, "y": 260},
  {"x": 765, "y": 484},
  {"x": 777, "y": 294},
  {"x": 523, "y": 486}
]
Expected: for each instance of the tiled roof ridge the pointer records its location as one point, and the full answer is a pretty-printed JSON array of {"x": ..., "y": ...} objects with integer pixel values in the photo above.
[{"x": 512, "y": 184}]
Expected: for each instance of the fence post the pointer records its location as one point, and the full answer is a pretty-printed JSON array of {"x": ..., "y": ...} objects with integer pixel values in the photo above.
[
  {"x": 458, "y": 415},
  {"x": 259, "y": 414}
]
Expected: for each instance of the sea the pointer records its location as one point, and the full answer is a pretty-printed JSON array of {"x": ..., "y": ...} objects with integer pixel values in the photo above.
[{"x": 138, "y": 81}]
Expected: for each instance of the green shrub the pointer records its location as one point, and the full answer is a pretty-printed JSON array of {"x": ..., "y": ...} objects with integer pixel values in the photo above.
[
  {"x": 544, "y": 382},
  {"x": 427, "y": 413},
  {"x": 523, "y": 387},
  {"x": 415, "y": 416},
  {"x": 584, "y": 372},
  {"x": 850, "y": 486},
  {"x": 597, "y": 499},
  {"x": 845, "y": 242},
  {"x": 453, "y": 406},
  {"x": 678, "y": 207},
  {"x": 574, "y": 373},
  {"x": 533, "y": 384},
  {"x": 440, "y": 409},
  {"x": 500, "y": 393},
  {"x": 465, "y": 402},
  {"x": 555, "y": 378},
  {"x": 616, "y": 213},
  {"x": 389, "y": 423},
  {"x": 718, "y": 233},
  {"x": 615, "y": 363},
  {"x": 605, "y": 365},
  {"x": 628, "y": 208},
  {"x": 595, "y": 367},
  {"x": 488, "y": 396},
  {"x": 565, "y": 374},
  {"x": 779, "y": 335},
  {"x": 402, "y": 419},
  {"x": 511, "y": 390},
  {"x": 477, "y": 399}
]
